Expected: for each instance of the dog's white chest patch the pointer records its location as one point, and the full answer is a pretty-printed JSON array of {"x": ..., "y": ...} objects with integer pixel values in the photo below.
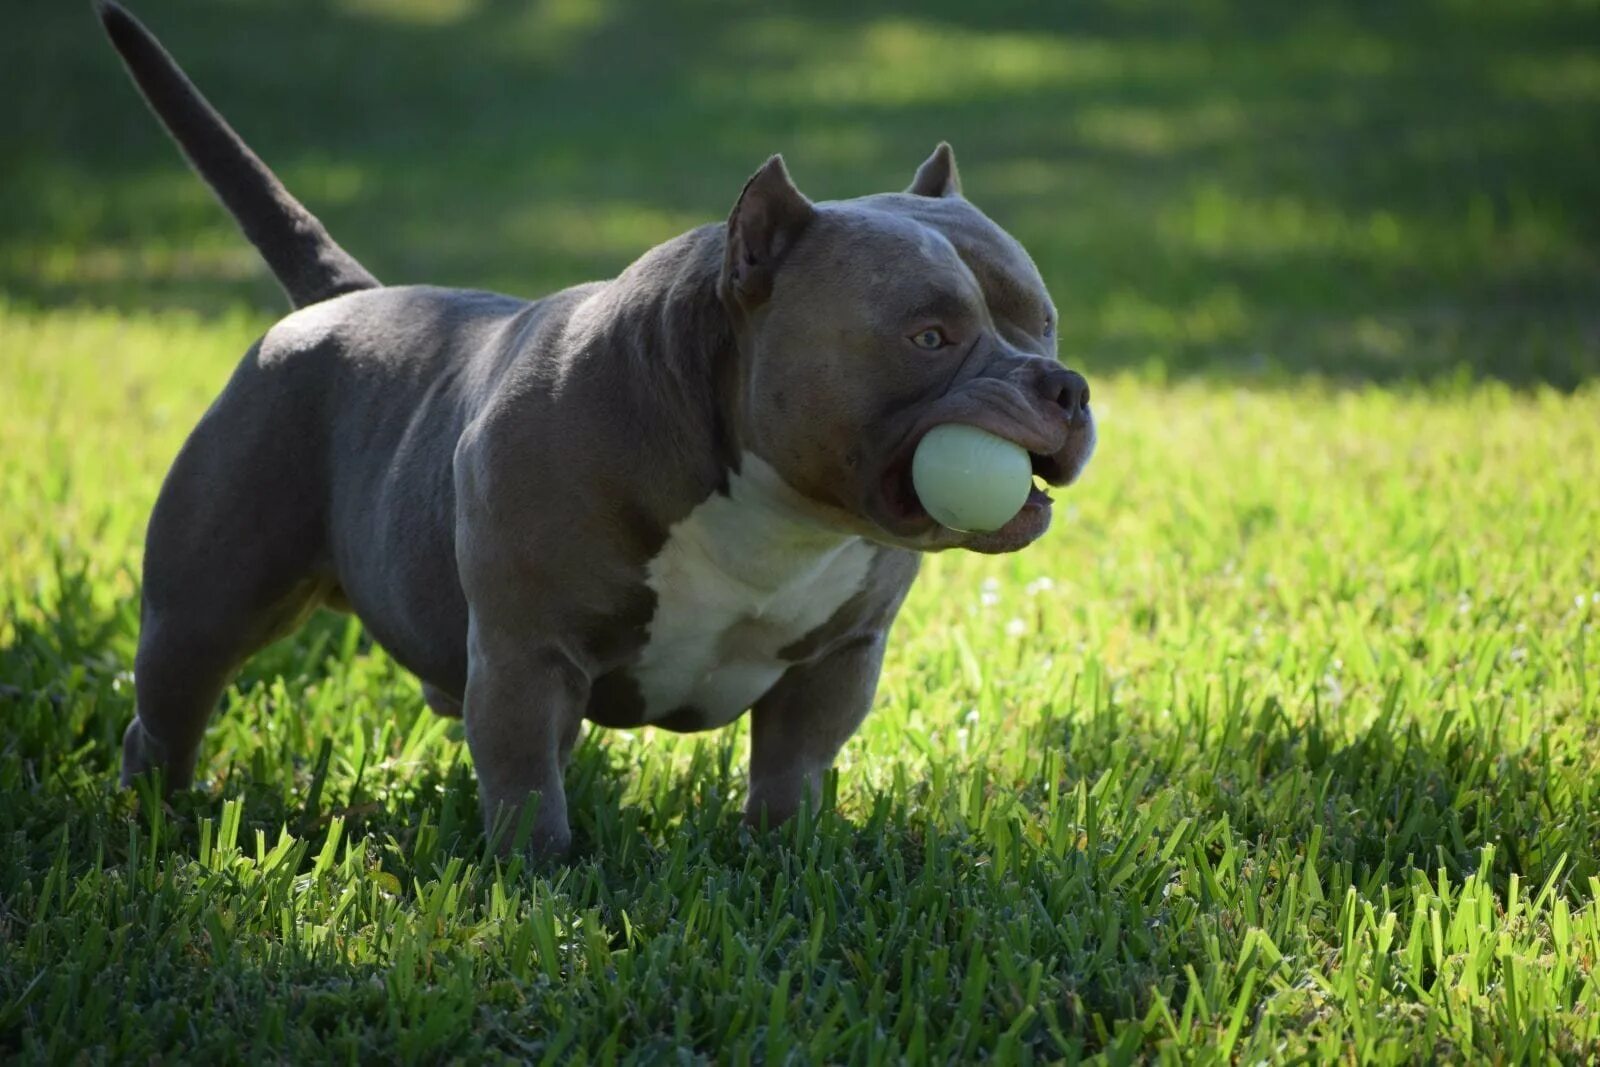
[{"x": 740, "y": 578}]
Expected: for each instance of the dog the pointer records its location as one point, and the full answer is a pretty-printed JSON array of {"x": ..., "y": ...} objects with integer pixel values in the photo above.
[{"x": 666, "y": 499}]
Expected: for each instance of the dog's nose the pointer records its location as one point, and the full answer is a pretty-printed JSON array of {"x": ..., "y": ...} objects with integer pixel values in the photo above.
[{"x": 1068, "y": 390}]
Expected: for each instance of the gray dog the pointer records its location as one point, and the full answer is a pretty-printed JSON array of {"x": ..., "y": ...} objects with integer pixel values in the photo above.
[{"x": 664, "y": 499}]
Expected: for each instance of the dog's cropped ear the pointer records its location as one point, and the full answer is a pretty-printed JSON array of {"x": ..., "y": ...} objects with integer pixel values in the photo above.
[
  {"x": 766, "y": 221},
  {"x": 938, "y": 175}
]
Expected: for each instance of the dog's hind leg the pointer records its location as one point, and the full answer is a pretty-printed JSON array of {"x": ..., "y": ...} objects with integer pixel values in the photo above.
[
  {"x": 231, "y": 563},
  {"x": 179, "y": 676},
  {"x": 441, "y": 702},
  {"x": 185, "y": 659}
]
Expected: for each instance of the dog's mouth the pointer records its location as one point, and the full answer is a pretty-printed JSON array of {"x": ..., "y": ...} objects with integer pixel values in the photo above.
[
  {"x": 1057, "y": 453},
  {"x": 906, "y": 517},
  {"x": 905, "y": 508}
]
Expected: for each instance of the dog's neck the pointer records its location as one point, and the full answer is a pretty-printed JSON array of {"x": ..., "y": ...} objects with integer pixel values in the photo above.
[{"x": 664, "y": 325}]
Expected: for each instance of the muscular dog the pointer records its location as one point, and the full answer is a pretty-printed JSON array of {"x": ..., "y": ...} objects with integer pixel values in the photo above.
[{"x": 667, "y": 499}]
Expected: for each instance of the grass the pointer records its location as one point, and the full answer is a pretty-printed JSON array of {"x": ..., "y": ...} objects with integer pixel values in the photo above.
[{"x": 1280, "y": 747}]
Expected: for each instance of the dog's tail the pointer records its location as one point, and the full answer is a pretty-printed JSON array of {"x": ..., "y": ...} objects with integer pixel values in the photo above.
[{"x": 307, "y": 262}]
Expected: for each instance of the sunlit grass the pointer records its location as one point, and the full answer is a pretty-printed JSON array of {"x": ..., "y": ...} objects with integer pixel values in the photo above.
[
  {"x": 1282, "y": 744},
  {"x": 413, "y": 12},
  {"x": 1292, "y": 717},
  {"x": 1570, "y": 78},
  {"x": 897, "y": 62}
]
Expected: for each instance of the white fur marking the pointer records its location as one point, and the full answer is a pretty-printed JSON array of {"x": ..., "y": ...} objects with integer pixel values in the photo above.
[{"x": 741, "y": 577}]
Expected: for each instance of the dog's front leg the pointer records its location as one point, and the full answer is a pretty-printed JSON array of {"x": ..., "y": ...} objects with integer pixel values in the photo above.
[
  {"x": 524, "y": 704},
  {"x": 801, "y": 724}
]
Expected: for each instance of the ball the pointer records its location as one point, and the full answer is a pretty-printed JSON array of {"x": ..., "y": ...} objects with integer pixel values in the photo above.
[{"x": 970, "y": 480}]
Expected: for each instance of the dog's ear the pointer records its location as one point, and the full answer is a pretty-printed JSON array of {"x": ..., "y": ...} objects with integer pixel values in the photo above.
[
  {"x": 938, "y": 175},
  {"x": 766, "y": 221}
]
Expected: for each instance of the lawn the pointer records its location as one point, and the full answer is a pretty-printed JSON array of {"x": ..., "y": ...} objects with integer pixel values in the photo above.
[{"x": 1282, "y": 745}]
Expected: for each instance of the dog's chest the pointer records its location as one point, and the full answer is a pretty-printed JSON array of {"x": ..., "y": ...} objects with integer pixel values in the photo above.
[{"x": 738, "y": 581}]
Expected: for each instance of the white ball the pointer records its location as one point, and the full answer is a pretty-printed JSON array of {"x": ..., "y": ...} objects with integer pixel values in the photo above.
[{"x": 970, "y": 480}]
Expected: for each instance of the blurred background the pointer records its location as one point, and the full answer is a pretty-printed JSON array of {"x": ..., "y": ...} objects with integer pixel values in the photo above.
[{"x": 1355, "y": 190}]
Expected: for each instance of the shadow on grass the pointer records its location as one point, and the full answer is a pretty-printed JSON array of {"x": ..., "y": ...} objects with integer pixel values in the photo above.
[
  {"x": 1347, "y": 190},
  {"x": 1385, "y": 801},
  {"x": 318, "y": 725},
  {"x": 66, "y": 694},
  {"x": 1127, "y": 905},
  {"x": 321, "y": 724}
]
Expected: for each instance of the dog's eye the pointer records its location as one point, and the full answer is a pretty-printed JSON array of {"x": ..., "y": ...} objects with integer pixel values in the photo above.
[
  {"x": 1049, "y": 325},
  {"x": 930, "y": 339}
]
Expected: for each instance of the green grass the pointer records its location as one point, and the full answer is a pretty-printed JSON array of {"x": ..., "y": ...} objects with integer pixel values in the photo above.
[{"x": 1281, "y": 746}]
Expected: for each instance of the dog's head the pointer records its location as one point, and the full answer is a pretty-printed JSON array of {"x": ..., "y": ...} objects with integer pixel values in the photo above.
[{"x": 865, "y": 323}]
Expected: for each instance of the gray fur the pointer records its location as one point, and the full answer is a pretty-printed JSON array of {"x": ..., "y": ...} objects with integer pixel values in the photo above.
[{"x": 487, "y": 481}]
